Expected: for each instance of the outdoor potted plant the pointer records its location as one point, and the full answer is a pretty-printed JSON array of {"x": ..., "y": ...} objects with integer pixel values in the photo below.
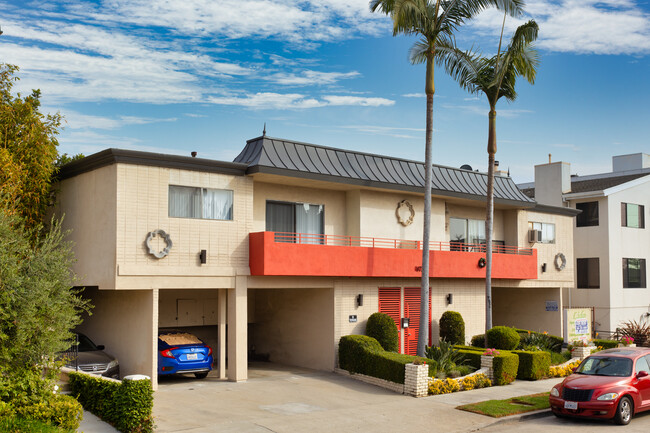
[
  {"x": 581, "y": 348},
  {"x": 627, "y": 341}
]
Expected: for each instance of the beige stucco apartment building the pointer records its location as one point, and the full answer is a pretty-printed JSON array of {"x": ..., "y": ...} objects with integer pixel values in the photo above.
[{"x": 280, "y": 253}]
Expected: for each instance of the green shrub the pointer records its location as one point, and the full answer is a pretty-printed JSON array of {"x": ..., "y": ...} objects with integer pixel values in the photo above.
[
  {"x": 532, "y": 365},
  {"x": 452, "y": 327},
  {"x": 382, "y": 328},
  {"x": 503, "y": 337},
  {"x": 445, "y": 357},
  {"x": 61, "y": 410},
  {"x": 364, "y": 355},
  {"x": 559, "y": 358},
  {"x": 127, "y": 405},
  {"x": 505, "y": 368},
  {"x": 6, "y": 410},
  {"x": 471, "y": 357},
  {"x": 606, "y": 344},
  {"x": 541, "y": 340},
  {"x": 478, "y": 341}
]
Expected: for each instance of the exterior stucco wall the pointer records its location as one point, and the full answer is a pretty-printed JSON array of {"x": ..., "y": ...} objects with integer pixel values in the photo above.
[
  {"x": 88, "y": 203},
  {"x": 142, "y": 197},
  {"x": 126, "y": 323},
  {"x": 294, "y": 326},
  {"x": 546, "y": 253},
  {"x": 627, "y": 242},
  {"x": 526, "y": 309},
  {"x": 334, "y": 203}
]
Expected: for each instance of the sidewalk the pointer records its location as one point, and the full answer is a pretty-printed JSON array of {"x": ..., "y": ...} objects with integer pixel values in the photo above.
[{"x": 92, "y": 424}]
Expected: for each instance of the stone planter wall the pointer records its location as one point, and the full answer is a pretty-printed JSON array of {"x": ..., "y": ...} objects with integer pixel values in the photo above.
[
  {"x": 416, "y": 380},
  {"x": 581, "y": 352},
  {"x": 486, "y": 363}
]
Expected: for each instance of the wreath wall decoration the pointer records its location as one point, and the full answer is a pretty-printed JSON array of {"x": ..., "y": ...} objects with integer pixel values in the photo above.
[
  {"x": 481, "y": 262},
  {"x": 560, "y": 261},
  {"x": 168, "y": 243},
  {"x": 404, "y": 204}
]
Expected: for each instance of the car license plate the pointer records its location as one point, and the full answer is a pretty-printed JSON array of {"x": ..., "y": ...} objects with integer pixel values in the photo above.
[
  {"x": 192, "y": 356},
  {"x": 573, "y": 405}
]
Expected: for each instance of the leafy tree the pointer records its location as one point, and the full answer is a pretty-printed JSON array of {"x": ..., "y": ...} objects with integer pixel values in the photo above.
[
  {"x": 495, "y": 77},
  {"x": 38, "y": 308},
  {"x": 435, "y": 22},
  {"x": 28, "y": 151}
]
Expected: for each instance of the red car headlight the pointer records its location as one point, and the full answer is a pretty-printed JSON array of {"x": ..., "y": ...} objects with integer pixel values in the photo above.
[{"x": 609, "y": 396}]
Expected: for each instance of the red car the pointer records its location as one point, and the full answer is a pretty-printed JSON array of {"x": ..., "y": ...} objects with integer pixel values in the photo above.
[{"x": 610, "y": 384}]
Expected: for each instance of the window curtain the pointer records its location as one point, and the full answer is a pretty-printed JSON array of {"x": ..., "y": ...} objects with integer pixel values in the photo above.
[
  {"x": 184, "y": 202},
  {"x": 217, "y": 204},
  {"x": 309, "y": 220},
  {"x": 476, "y": 232}
]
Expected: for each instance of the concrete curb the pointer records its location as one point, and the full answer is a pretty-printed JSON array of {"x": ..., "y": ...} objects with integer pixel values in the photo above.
[{"x": 522, "y": 417}]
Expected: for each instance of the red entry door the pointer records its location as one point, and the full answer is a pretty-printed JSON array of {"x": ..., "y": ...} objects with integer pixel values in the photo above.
[
  {"x": 412, "y": 312},
  {"x": 390, "y": 302}
]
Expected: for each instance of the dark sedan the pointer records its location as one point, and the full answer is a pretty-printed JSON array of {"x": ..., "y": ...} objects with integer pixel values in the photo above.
[{"x": 611, "y": 384}]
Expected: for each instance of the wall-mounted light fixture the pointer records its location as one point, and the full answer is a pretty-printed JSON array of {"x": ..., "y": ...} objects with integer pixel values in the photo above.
[
  {"x": 359, "y": 300},
  {"x": 450, "y": 298},
  {"x": 543, "y": 267},
  {"x": 203, "y": 256}
]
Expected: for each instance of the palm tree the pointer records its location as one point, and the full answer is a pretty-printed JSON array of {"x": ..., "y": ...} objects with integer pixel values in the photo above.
[
  {"x": 435, "y": 21},
  {"x": 494, "y": 77}
]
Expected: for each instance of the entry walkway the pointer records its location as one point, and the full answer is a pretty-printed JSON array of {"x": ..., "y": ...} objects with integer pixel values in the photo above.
[{"x": 289, "y": 399}]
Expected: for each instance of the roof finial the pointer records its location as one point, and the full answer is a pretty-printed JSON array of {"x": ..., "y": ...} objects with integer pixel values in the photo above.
[
  {"x": 549, "y": 158},
  {"x": 264, "y": 131},
  {"x": 508, "y": 171}
]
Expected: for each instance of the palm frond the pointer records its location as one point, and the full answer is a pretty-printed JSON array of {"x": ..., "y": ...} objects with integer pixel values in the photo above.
[
  {"x": 463, "y": 66},
  {"x": 418, "y": 52}
]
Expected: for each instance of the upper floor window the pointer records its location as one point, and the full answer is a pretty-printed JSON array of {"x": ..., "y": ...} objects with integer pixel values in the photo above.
[
  {"x": 588, "y": 271},
  {"x": 547, "y": 232},
  {"x": 296, "y": 218},
  {"x": 466, "y": 231},
  {"x": 205, "y": 203},
  {"x": 632, "y": 215},
  {"x": 634, "y": 273},
  {"x": 589, "y": 215}
]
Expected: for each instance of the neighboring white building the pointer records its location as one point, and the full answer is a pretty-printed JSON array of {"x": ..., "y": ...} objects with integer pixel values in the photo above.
[{"x": 611, "y": 237}]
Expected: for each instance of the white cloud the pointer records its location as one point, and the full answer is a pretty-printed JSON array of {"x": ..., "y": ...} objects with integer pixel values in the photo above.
[
  {"x": 270, "y": 100},
  {"x": 308, "y": 77},
  {"x": 415, "y": 95},
  {"x": 579, "y": 26}
]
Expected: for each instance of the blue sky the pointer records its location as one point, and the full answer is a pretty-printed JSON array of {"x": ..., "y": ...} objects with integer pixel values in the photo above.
[{"x": 205, "y": 75}]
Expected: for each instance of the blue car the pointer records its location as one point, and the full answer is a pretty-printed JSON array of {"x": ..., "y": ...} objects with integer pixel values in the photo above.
[{"x": 181, "y": 352}]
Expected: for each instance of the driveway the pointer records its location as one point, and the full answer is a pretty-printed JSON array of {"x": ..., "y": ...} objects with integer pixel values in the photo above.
[{"x": 288, "y": 399}]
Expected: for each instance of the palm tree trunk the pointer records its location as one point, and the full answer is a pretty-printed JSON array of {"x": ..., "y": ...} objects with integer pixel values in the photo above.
[
  {"x": 423, "y": 336},
  {"x": 489, "y": 219}
]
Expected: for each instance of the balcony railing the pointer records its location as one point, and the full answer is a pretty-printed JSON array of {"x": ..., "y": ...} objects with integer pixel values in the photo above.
[{"x": 368, "y": 242}]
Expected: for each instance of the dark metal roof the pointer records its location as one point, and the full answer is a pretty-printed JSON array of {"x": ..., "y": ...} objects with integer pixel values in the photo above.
[
  {"x": 112, "y": 156},
  {"x": 290, "y": 158},
  {"x": 594, "y": 182}
]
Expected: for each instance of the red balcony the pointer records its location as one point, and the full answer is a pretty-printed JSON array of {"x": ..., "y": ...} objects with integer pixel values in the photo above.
[{"x": 298, "y": 254}]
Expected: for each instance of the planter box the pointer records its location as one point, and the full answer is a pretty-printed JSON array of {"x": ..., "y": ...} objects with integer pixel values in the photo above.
[
  {"x": 487, "y": 362},
  {"x": 416, "y": 380}
]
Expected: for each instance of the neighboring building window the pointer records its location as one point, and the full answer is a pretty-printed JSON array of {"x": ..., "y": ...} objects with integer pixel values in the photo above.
[
  {"x": 548, "y": 231},
  {"x": 204, "y": 203},
  {"x": 632, "y": 215},
  {"x": 296, "y": 218},
  {"x": 634, "y": 274},
  {"x": 466, "y": 231},
  {"x": 589, "y": 215},
  {"x": 588, "y": 273}
]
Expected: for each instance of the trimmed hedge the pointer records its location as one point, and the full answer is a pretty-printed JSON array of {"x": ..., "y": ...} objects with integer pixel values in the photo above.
[
  {"x": 503, "y": 338},
  {"x": 606, "y": 344},
  {"x": 532, "y": 365},
  {"x": 471, "y": 357},
  {"x": 452, "y": 327},
  {"x": 127, "y": 405},
  {"x": 382, "y": 328},
  {"x": 505, "y": 368},
  {"x": 62, "y": 411},
  {"x": 364, "y": 355}
]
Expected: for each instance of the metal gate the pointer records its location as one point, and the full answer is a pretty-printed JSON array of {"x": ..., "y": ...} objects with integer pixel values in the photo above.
[
  {"x": 412, "y": 312},
  {"x": 390, "y": 302}
]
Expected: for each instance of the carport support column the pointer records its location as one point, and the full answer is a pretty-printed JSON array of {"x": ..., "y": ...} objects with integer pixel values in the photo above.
[
  {"x": 237, "y": 330},
  {"x": 221, "y": 319}
]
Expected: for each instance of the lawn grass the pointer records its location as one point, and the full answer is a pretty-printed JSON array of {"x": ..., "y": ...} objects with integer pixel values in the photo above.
[
  {"x": 510, "y": 406},
  {"x": 21, "y": 425}
]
